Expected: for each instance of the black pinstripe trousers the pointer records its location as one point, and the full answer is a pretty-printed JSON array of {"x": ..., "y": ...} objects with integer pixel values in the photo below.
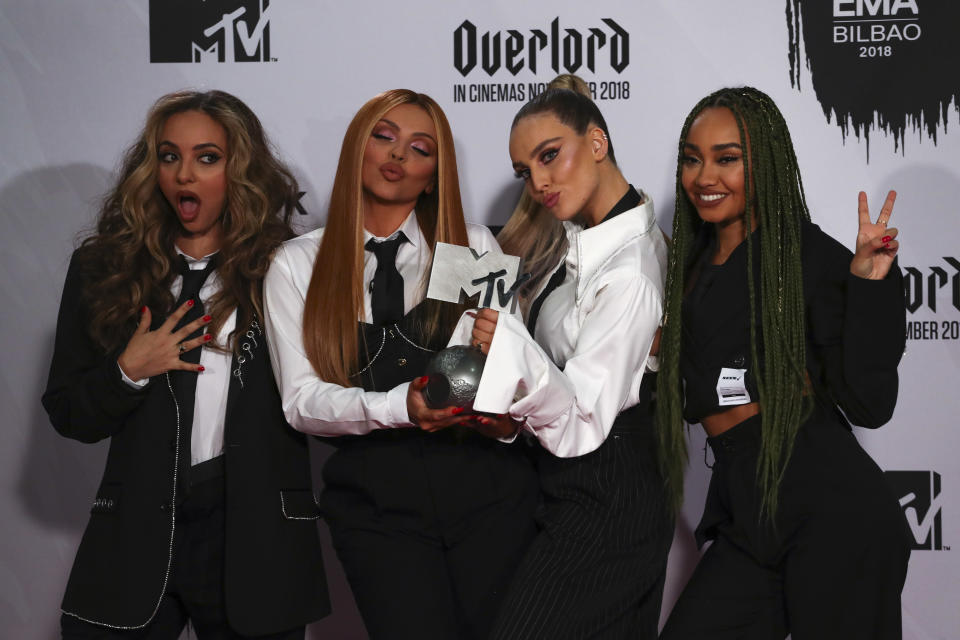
[{"x": 597, "y": 567}]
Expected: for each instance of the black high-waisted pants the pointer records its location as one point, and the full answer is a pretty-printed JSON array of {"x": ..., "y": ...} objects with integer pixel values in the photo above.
[
  {"x": 834, "y": 565},
  {"x": 597, "y": 567}
]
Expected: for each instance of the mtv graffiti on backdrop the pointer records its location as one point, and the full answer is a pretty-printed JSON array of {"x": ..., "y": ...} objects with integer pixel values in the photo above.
[
  {"x": 542, "y": 52},
  {"x": 210, "y": 31},
  {"x": 885, "y": 64},
  {"x": 930, "y": 290},
  {"x": 922, "y": 502}
]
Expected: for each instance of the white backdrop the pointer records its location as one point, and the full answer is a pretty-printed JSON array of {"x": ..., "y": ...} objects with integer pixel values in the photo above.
[{"x": 77, "y": 78}]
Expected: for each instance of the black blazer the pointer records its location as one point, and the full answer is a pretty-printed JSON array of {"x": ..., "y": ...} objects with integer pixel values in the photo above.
[{"x": 273, "y": 574}]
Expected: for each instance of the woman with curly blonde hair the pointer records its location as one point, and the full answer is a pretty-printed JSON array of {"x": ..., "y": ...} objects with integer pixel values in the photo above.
[{"x": 206, "y": 505}]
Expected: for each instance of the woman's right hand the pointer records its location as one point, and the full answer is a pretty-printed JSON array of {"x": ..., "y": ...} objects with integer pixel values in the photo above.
[
  {"x": 151, "y": 353},
  {"x": 426, "y": 418}
]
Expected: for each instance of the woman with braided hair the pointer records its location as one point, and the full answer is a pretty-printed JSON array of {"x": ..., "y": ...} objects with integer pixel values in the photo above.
[{"x": 771, "y": 329}]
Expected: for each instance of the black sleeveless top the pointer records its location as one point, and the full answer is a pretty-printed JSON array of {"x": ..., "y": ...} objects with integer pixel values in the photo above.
[{"x": 392, "y": 354}]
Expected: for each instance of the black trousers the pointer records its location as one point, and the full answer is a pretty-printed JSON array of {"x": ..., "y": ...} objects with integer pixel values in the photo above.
[
  {"x": 429, "y": 528},
  {"x": 832, "y": 568},
  {"x": 597, "y": 567},
  {"x": 195, "y": 588}
]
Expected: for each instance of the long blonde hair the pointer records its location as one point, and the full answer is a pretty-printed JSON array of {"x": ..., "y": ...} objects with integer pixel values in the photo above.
[
  {"x": 335, "y": 295},
  {"x": 532, "y": 232},
  {"x": 129, "y": 261}
]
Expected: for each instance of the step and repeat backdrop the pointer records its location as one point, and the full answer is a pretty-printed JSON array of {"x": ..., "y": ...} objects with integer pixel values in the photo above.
[{"x": 869, "y": 88}]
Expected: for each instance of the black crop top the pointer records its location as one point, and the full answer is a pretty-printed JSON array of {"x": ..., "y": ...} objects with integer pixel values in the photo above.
[{"x": 855, "y": 333}]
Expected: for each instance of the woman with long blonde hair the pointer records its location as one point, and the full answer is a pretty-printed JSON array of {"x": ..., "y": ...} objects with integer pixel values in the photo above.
[
  {"x": 428, "y": 517},
  {"x": 205, "y": 510},
  {"x": 576, "y": 374}
]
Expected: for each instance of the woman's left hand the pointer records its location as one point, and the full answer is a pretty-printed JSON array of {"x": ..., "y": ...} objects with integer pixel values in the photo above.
[
  {"x": 484, "y": 325},
  {"x": 876, "y": 243},
  {"x": 502, "y": 426}
]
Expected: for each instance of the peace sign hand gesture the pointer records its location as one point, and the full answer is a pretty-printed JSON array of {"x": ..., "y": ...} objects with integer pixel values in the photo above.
[{"x": 876, "y": 243}]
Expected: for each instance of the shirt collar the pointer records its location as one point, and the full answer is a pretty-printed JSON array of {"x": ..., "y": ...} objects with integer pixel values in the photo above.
[
  {"x": 630, "y": 200},
  {"x": 594, "y": 246},
  {"x": 410, "y": 228},
  {"x": 195, "y": 263}
]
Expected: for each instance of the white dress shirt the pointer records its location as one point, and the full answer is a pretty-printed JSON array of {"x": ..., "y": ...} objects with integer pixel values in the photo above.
[
  {"x": 310, "y": 404},
  {"x": 210, "y": 404},
  {"x": 593, "y": 337}
]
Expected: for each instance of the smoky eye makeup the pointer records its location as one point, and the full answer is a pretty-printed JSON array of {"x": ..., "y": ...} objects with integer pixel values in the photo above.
[{"x": 209, "y": 157}]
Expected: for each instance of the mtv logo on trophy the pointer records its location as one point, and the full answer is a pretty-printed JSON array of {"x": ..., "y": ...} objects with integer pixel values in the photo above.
[{"x": 459, "y": 274}]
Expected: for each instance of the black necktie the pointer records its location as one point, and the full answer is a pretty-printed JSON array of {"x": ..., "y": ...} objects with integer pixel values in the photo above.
[
  {"x": 185, "y": 382},
  {"x": 193, "y": 280},
  {"x": 386, "y": 289},
  {"x": 555, "y": 281}
]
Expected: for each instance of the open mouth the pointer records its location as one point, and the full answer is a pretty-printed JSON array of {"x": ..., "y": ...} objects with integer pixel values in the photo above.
[{"x": 189, "y": 206}]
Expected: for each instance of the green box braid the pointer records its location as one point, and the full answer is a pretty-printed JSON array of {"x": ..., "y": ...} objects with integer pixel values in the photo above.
[{"x": 776, "y": 197}]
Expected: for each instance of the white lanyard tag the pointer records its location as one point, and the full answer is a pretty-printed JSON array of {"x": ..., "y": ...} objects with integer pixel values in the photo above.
[{"x": 732, "y": 387}]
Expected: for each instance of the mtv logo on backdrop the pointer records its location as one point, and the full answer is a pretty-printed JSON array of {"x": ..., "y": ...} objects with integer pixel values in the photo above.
[
  {"x": 211, "y": 30},
  {"x": 921, "y": 500}
]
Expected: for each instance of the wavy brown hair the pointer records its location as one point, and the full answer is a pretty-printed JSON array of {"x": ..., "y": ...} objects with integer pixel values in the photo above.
[
  {"x": 129, "y": 261},
  {"x": 335, "y": 295}
]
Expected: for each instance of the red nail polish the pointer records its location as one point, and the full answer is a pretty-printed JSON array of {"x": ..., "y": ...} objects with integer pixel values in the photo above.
[
  {"x": 143, "y": 309},
  {"x": 207, "y": 318},
  {"x": 189, "y": 303},
  {"x": 423, "y": 379},
  {"x": 200, "y": 369},
  {"x": 886, "y": 246},
  {"x": 886, "y": 239},
  {"x": 207, "y": 338},
  {"x": 484, "y": 420},
  {"x": 456, "y": 410}
]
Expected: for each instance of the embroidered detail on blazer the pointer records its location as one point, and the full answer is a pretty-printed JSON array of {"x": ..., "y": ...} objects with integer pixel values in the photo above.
[
  {"x": 250, "y": 337},
  {"x": 412, "y": 342},
  {"x": 383, "y": 341},
  {"x": 173, "y": 528},
  {"x": 104, "y": 505},
  {"x": 288, "y": 516}
]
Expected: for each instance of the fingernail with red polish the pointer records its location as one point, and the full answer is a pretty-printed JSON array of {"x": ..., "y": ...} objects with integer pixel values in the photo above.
[
  {"x": 484, "y": 420},
  {"x": 143, "y": 309},
  {"x": 456, "y": 410},
  {"x": 886, "y": 246},
  {"x": 423, "y": 379},
  {"x": 207, "y": 338},
  {"x": 189, "y": 303},
  {"x": 886, "y": 239},
  {"x": 207, "y": 318},
  {"x": 200, "y": 369}
]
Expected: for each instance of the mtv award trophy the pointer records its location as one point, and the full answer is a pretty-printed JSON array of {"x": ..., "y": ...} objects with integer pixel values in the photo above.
[{"x": 458, "y": 274}]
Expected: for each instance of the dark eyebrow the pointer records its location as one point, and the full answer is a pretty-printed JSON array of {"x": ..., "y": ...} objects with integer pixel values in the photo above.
[
  {"x": 540, "y": 146},
  {"x": 416, "y": 133},
  {"x": 197, "y": 147},
  {"x": 716, "y": 147}
]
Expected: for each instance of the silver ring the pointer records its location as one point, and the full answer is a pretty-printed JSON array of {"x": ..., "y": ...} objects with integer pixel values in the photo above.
[
  {"x": 881, "y": 221},
  {"x": 181, "y": 348}
]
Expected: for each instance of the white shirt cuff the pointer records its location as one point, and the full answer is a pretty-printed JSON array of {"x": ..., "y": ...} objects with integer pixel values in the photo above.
[
  {"x": 397, "y": 404},
  {"x": 136, "y": 384}
]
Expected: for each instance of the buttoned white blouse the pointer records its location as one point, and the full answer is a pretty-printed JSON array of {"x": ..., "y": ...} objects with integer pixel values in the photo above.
[
  {"x": 310, "y": 404},
  {"x": 593, "y": 337}
]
